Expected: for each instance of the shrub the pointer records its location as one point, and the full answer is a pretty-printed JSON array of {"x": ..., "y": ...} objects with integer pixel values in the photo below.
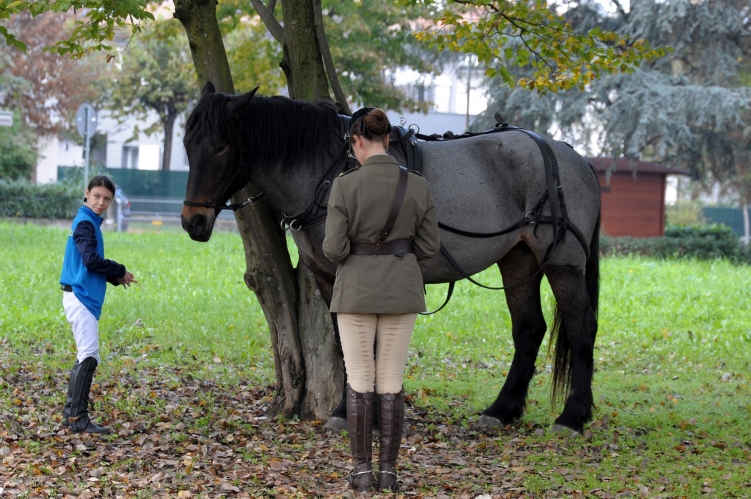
[
  {"x": 19, "y": 198},
  {"x": 684, "y": 212},
  {"x": 682, "y": 241}
]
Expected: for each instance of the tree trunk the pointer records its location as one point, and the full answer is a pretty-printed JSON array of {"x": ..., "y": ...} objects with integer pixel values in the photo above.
[
  {"x": 169, "y": 126},
  {"x": 309, "y": 369},
  {"x": 746, "y": 225},
  {"x": 306, "y": 80},
  {"x": 301, "y": 62}
]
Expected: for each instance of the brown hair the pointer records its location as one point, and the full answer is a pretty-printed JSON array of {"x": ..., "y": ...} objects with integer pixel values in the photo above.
[{"x": 374, "y": 126}]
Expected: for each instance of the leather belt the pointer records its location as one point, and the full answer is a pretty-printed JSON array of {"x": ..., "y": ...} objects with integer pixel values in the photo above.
[
  {"x": 66, "y": 287},
  {"x": 396, "y": 247}
]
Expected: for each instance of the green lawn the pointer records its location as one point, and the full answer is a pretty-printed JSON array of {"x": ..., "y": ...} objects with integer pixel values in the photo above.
[{"x": 672, "y": 379}]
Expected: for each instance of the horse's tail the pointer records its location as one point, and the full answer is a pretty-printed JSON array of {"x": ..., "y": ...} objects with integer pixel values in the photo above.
[{"x": 562, "y": 361}]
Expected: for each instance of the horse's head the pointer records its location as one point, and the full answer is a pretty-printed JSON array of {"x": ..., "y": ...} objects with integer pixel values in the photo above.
[{"x": 213, "y": 149}]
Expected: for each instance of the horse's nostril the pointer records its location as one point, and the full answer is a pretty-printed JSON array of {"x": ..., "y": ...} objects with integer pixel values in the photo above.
[{"x": 199, "y": 222}]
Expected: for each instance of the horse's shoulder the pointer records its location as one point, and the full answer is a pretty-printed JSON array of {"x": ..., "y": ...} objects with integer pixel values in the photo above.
[{"x": 347, "y": 172}]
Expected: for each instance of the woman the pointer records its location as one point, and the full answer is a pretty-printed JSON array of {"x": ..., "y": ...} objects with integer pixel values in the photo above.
[
  {"x": 84, "y": 281},
  {"x": 381, "y": 221}
]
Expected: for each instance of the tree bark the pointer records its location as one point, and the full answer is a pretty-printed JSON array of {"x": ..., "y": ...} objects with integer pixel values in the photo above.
[
  {"x": 301, "y": 61},
  {"x": 309, "y": 369},
  {"x": 169, "y": 127},
  {"x": 328, "y": 61}
]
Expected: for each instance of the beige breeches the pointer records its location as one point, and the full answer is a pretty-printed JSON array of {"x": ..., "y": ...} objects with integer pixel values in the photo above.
[{"x": 391, "y": 334}]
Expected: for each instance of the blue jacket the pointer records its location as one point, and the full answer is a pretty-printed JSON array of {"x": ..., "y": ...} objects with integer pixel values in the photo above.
[{"x": 84, "y": 267}]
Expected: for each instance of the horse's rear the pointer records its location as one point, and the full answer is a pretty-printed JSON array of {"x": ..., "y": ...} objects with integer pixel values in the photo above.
[{"x": 487, "y": 183}]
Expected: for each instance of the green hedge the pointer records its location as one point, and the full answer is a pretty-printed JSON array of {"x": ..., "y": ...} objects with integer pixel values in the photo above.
[
  {"x": 20, "y": 198},
  {"x": 704, "y": 242}
]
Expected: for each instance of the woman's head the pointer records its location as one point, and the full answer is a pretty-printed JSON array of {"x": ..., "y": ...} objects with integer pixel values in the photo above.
[
  {"x": 369, "y": 133},
  {"x": 372, "y": 125},
  {"x": 99, "y": 194}
]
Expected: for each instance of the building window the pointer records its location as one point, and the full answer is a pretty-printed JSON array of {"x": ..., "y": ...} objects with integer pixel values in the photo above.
[{"x": 130, "y": 157}]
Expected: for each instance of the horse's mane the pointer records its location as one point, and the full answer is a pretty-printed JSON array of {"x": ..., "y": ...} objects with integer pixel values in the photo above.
[{"x": 275, "y": 129}]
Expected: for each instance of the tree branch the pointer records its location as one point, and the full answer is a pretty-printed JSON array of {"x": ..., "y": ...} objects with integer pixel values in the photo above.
[
  {"x": 267, "y": 16},
  {"x": 328, "y": 61}
]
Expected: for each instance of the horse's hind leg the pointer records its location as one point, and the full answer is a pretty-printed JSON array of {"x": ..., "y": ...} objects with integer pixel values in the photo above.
[
  {"x": 528, "y": 329},
  {"x": 576, "y": 326}
]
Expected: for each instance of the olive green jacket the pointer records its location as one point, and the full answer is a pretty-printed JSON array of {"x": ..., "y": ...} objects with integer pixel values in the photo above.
[{"x": 359, "y": 204}]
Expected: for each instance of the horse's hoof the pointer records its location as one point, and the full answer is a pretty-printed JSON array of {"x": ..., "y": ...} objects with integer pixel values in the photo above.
[
  {"x": 336, "y": 425},
  {"x": 489, "y": 422},
  {"x": 564, "y": 430}
]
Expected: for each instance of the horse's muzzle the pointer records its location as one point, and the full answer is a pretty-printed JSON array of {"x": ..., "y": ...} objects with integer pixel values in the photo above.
[{"x": 198, "y": 226}]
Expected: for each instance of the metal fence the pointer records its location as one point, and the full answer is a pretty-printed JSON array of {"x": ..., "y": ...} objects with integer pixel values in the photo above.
[
  {"x": 156, "y": 211},
  {"x": 732, "y": 217}
]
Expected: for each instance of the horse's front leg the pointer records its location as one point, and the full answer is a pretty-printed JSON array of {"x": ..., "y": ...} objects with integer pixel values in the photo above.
[{"x": 528, "y": 329}]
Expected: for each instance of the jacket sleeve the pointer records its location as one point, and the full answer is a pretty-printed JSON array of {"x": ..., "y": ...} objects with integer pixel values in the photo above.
[
  {"x": 336, "y": 242},
  {"x": 85, "y": 239},
  {"x": 426, "y": 242}
]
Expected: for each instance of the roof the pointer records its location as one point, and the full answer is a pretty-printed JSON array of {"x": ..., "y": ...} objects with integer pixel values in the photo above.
[{"x": 605, "y": 163}]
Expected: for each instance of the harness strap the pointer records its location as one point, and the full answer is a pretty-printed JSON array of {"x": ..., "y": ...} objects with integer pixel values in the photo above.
[
  {"x": 396, "y": 204},
  {"x": 446, "y": 302}
]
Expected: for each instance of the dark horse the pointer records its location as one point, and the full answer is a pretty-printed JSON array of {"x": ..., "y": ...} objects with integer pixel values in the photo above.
[{"x": 481, "y": 184}]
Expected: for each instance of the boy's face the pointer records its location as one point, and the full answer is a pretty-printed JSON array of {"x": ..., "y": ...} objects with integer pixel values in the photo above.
[{"x": 98, "y": 199}]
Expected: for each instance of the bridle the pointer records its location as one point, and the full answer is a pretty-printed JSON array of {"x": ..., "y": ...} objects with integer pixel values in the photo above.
[{"x": 223, "y": 206}]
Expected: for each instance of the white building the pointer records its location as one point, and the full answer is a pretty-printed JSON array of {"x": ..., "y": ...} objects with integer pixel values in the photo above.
[{"x": 120, "y": 152}]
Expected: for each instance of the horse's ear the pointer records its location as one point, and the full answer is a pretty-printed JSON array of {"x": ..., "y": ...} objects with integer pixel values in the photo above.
[
  {"x": 208, "y": 89},
  {"x": 239, "y": 102}
]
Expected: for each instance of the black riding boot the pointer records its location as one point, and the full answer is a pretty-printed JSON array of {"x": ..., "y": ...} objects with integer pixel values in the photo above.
[
  {"x": 80, "y": 385},
  {"x": 391, "y": 417},
  {"x": 69, "y": 398},
  {"x": 360, "y": 428}
]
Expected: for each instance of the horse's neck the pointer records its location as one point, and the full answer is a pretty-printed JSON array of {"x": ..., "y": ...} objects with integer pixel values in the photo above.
[{"x": 292, "y": 188}]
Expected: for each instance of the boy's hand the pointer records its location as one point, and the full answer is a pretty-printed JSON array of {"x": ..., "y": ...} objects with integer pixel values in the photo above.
[{"x": 127, "y": 279}]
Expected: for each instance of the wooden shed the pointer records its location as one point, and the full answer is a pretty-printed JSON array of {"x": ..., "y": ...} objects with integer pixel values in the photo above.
[{"x": 633, "y": 198}]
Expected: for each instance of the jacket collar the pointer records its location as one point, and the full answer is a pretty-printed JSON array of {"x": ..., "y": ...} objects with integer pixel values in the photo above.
[
  {"x": 379, "y": 158},
  {"x": 88, "y": 211}
]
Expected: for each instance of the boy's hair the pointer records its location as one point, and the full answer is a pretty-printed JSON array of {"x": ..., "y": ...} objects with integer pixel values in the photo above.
[{"x": 102, "y": 181}]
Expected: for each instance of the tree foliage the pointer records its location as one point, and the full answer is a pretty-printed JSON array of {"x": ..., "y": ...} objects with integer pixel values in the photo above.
[
  {"x": 18, "y": 155},
  {"x": 253, "y": 54},
  {"x": 689, "y": 109},
  {"x": 156, "y": 75},
  {"x": 95, "y": 23},
  {"x": 561, "y": 56},
  {"x": 368, "y": 42},
  {"x": 45, "y": 87}
]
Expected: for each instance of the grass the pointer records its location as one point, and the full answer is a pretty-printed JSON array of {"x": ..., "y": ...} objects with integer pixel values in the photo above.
[{"x": 672, "y": 356}]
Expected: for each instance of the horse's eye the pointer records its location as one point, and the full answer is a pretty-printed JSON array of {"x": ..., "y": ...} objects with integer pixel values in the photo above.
[{"x": 221, "y": 150}]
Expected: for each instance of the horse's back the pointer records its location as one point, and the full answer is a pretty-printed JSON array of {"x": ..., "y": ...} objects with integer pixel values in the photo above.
[{"x": 489, "y": 182}]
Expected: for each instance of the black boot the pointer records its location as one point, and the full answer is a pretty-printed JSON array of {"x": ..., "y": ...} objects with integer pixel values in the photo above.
[
  {"x": 360, "y": 428},
  {"x": 391, "y": 417},
  {"x": 80, "y": 384},
  {"x": 69, "y": 398}
]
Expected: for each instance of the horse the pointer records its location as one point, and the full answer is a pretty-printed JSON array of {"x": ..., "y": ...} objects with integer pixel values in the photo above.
[{"x": 289, "y": 149}]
